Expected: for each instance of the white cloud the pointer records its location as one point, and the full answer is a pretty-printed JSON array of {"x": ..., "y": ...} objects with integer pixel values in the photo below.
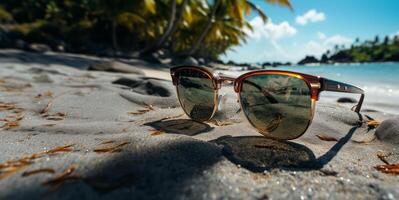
[
  {"x": 310, "y": 16},
  {"x": 313, "y": 47},
  {"x": 321, "y": 35},
  {"x": 270, "y": 30},
  {"x": 318, "y": 48},
  {"x": 338, "y": 40}
]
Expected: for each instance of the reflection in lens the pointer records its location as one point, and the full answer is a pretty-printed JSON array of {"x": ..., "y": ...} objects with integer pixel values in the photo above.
[
  {"x": 196, "y": 93},
  {"x": 279, "y": 106}
]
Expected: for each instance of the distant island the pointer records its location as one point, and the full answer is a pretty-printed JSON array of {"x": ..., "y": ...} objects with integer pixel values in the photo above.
[{"x": 360, "y": 52}]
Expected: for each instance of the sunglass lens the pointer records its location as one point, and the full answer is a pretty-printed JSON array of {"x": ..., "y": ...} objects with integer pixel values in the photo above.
[
  {"x": 279, "y": 106},
  {"x": 196, "y": 93}
]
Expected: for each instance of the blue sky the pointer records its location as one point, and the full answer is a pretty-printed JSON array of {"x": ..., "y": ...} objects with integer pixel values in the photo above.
[{"x": 313, "y": 27}]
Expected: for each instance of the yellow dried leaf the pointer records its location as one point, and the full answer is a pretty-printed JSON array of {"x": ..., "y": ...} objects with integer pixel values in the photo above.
[{"x": 373, "y": 123}]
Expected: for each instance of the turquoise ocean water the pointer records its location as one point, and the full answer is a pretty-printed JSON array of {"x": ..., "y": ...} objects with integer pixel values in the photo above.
[{"x": 379, "y": 80}]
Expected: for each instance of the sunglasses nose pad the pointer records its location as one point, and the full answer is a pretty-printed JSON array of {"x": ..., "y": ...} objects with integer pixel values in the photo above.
[{"x": 221, "y": 101}]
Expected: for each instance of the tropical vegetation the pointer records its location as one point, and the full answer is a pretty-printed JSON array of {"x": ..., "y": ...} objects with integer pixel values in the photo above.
[
  {"x": 377, "y": 50},
  {"x": 198, "y": 28}
]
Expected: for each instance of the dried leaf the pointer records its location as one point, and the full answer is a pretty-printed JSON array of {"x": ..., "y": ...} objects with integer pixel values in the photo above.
[
  {"x": 10, "y": 167},
  {"x": 20, "y": 117},
  {"x": 9, "y": 171},
  {"x": 372, "y": 124},
  {"x": 136, "y": 113},
  {"x": 155, "y": 132},
  {"x": 388, "y": 168},
  {"x": 112, "y": 149},
  {"x": 327, "y": 172},
  {"x": 7, "y": 106},
  {"x": 10, "y": 125},
  {"x": 383, "y": 157},
  {"x": 148, "y": 108},
  {"x": 61, "y": 114},
  {"x": 48, "y": 94},
  {"x": 12, "y": 121},
  {"x": 326, "y": 137},
  {"x": 47, "y": 108},
  {"x": 66, "y": 148},
  {"x": 108, "y": 142},
  {"x": 55, "y": 118},
  {"x": 37, "y": 171},
  {"x": 62, "y": 177},
  {"x": 49, "y": 125}
]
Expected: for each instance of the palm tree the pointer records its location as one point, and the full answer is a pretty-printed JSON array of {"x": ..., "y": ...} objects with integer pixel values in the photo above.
[
  {"x": 173, "y": 23},
  {"x": 115, "y": 10},
  {"x": 238, "y": 8}
]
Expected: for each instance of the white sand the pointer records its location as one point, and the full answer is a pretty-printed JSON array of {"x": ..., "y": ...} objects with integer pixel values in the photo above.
[{"x": 188, "y": 159}]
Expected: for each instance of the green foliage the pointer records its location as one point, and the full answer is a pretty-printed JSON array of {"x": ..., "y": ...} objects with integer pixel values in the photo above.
[
  {"x": 4, "y": 15},
  {"x": 369, "y": 51},
  {"x": 133, "y": 25}
]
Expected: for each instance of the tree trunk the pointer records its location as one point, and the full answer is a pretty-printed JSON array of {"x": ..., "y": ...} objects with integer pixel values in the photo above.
[
  {"x": 179, "y": 19},
  {"x": 207, "y": 28},
  {"x": 171, "y": 23},
  {"x": 114, "y": 39}
]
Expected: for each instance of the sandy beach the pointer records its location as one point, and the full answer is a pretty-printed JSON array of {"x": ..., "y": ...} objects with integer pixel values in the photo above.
[{"x": 124, "y": 136}]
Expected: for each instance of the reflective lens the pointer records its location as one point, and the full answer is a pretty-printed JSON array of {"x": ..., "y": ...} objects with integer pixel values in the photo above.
[
  {"x": 196, "y": 93},
  {"x": 279, "y": 106}
]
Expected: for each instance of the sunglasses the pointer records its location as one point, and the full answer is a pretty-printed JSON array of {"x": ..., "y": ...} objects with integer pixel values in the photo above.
[{"x": 279, "y": 104}]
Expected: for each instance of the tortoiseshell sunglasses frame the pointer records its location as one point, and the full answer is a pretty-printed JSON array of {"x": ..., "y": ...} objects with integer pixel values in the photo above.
[{"x": 316, "y": 85}]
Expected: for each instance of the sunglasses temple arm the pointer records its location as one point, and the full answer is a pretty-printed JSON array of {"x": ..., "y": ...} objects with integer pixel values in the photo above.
[{"x": 335, "y": 86}]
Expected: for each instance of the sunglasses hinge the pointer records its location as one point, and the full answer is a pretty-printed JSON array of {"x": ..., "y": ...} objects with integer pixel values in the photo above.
[{"x": 315, "y": 85}]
